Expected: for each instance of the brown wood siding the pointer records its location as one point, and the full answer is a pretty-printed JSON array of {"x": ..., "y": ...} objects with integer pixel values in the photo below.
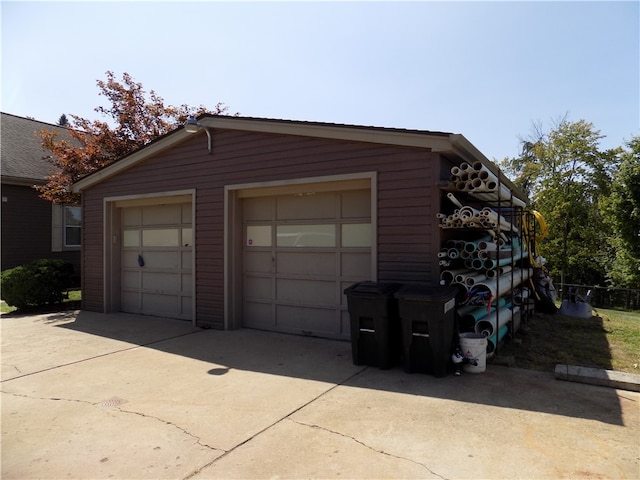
[
  {"x": 26, "y": 229},
  {"x": 407, "y": 225}
]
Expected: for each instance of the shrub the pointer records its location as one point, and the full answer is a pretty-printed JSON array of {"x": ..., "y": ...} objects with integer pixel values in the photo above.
[{"x": 38, "y": 283}]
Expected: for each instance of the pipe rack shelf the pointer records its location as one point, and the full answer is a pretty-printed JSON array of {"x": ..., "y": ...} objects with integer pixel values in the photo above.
[{"x": 484, "y": 252}]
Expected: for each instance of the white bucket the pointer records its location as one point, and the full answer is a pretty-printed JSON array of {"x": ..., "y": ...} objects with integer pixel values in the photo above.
[{"x": 474, "y": 346}]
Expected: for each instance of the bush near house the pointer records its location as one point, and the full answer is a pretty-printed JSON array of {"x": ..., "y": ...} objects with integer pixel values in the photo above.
[{"x": 38, "y": 283}]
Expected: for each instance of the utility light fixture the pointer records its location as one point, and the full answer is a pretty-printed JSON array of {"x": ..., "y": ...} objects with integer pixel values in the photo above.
[{"x": 194, "y": 126}]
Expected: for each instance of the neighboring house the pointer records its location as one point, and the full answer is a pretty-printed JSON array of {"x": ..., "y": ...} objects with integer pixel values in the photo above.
[
  {"x": 270, "y": 228},
  {"x": 32, "y": 228}
]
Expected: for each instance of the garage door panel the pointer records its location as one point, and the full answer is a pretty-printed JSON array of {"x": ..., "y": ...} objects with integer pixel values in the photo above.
[
  {"x": 258, "y": 208},
  {"x": 161, "y": 282},
  {"x": 258, "y": 287},
  {"x": 311, "y": 246},
  {"x": 258, "y": 262},
  {"x": 130, "y": 301},
  {"x": 129, "y": 259},
  {"x": 162, "y": 215},
  {"x": 356, "y": 204},
  {"x": 302, "y": 263},
  {"x": 308, "y": 320},
  {"x": 305, "y": 207},
  {"x": 161, "y": 259},
  {"x": 164, "y": 305},
  {"x": 187, "y": 214},
  {"x": 162, "y": 236},
  {"x": 187, "y": 284},
  {"x": 258, "y": 315},
  {"x": 310, "y": 292},
  {"x": 131, "y": 216},
  {"x": 187, "y": 307},
  {"x": 130, "y": 279},
  {"x": 356, "y": 265},
  {"x": 345, "y": 323}
]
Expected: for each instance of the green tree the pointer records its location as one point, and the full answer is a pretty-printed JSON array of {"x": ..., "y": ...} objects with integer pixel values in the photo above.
[
  {"x": 63, "y": 121},
  {"x": 566, "y": 174},
  {"x": 621, "y": 210},
  {"x": 137, "y": 119}
]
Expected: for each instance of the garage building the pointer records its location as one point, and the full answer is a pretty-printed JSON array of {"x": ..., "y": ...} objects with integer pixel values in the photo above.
[{"x": 268, "y": 228}]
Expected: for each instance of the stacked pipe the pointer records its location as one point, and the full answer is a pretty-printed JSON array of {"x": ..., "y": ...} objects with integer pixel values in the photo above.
[
  {"x": 481, "y": 183},
  {"x": 488, "y": 259},
  {"x": 480, "y": 255},
  {"x": 468, "y": 217}
]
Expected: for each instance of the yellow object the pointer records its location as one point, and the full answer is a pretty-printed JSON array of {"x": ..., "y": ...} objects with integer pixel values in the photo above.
[{"x": 530, "y": 233}]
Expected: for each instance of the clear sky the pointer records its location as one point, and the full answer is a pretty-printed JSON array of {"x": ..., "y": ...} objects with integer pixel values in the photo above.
[{"x": 487, "y": 70}]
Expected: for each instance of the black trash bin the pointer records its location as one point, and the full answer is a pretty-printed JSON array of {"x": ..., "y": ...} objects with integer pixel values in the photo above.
[
  {"x": 427, "y": 316},
  {"x": 375, "y": 324}
]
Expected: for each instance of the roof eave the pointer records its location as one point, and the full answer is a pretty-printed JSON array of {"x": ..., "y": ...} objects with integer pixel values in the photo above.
[
  {"x": 433, "y": 141},
  {"x": 130, "y": 160},
  {"x": 21, "y": 181}
]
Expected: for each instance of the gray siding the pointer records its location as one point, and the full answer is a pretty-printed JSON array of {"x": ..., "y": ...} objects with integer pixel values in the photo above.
[
  {"x": 408, "y": 236},
  {"x": 26, "y": 229}
]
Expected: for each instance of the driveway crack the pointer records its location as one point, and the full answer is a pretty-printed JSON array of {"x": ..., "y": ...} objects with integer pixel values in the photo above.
[
  {"x": 53, "y": 399},
  {"x": 367, "y": 446},
  {"x": 132, "y": 412},
  {"x": 183, "y": 430}
]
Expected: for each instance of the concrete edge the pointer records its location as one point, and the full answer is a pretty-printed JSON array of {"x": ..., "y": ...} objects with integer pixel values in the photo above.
[{"x": 598, "y": 376}]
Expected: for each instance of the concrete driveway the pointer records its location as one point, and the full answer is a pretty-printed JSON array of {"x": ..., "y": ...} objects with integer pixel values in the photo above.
[{"x": 120, "y": 396}]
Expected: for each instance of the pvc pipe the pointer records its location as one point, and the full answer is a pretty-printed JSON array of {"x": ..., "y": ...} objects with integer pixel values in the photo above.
[
  {"x": 455, "y": 201},
  {"x": 477, "y": 264},
  {"x": 468, "y": 320},
  {"x": 460, "y": 285},
  {"x": 516, "y": 321},
  {"x": 496, "y": 272},
  {"x": 504, "y": 261},
  {"x": 473, "y": 314},
  {"x": 493, "y": 322},
  {"x": 492, "y": 182},
  {"x": 521, "y": 295},
  {"x": 484, "y": 245},
  {"x": 502, "y": 284},
  {"x": 448, "y": 275},
  {"x": 492, "y": 341},
  {"x": 493, "y": 196},
  {"x": 471, "y": 280}
]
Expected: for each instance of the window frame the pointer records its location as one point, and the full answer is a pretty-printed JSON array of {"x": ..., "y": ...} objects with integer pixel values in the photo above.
[{"x": 66, "y": 226}]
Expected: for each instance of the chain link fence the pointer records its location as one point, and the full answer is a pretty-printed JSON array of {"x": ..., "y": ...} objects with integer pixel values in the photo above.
[{"x": 604, "y": 297}]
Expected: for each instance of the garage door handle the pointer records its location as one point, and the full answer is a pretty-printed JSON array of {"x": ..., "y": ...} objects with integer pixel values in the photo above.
[
  {"x": 421, "y": 335},
  {"x": 140, "y": 261},
  {"x": 369, "y": 330}
]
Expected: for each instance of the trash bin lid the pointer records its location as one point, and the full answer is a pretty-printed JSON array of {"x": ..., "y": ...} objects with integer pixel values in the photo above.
[
  {"x": 372, "y": 289},
  {"x": 423, "y": 293}
]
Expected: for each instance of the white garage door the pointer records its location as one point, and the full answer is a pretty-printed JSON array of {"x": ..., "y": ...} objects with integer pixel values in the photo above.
[
  {"x": 156, "y": 260},
  {"x": 300, "y": 252}
]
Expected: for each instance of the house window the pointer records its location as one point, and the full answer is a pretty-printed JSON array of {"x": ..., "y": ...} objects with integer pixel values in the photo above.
[{"x": 72, "y": 226}]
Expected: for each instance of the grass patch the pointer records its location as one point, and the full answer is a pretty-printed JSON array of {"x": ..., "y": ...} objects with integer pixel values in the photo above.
[
  {"x": 72, "y": 302},
  {"x": 610, "y": 340}
]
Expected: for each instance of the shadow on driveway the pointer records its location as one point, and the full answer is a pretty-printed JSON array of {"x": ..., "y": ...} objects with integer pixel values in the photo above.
[{"x": 313, "y": 358}]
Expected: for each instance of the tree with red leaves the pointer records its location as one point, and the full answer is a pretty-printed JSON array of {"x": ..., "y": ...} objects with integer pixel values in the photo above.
[{"x": 137, "y": 119}]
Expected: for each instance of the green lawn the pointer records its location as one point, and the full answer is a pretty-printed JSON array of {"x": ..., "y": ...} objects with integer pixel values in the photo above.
[
  {"x": 72, "y": 302},
  {"x": 610, "y": 340}
]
